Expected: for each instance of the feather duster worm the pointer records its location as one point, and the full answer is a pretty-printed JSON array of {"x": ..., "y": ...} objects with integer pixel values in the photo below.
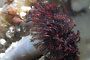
[{"x": 55, "y": 30}]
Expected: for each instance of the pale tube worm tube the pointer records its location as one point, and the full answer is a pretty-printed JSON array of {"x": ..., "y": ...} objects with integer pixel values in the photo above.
[{"x": 22, "y": 50}]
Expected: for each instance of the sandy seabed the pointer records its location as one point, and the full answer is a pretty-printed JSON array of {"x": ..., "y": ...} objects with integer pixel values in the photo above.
[{"x": 83, "y": 25}]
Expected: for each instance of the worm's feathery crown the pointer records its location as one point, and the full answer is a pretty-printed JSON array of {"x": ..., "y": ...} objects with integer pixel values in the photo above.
[{"x": 58, "y": 39}]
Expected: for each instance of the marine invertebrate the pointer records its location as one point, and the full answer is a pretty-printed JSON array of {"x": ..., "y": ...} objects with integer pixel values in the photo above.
[
  {"x": 17, "y": 20},
  {"x": 11, "y": 10},
  {"x": 8, "y": 1},
  {"x": 55, "y": 30}
]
